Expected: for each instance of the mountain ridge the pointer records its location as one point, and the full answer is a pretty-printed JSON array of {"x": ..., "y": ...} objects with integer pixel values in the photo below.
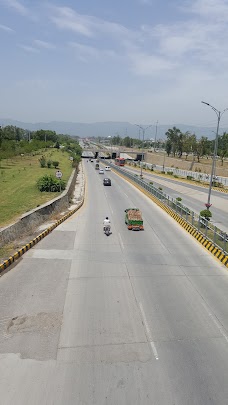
[{"x": 109, "y": 128}]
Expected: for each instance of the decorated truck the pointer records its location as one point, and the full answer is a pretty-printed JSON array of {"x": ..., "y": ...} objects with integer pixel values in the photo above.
[{"x": 133, "y": 219}]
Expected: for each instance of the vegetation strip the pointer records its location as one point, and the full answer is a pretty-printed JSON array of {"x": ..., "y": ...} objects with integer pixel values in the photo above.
[
  {"x": 179, "y": 179},
  {"x": 218, "y": 253},
  {"x": 20, "y": 252}
]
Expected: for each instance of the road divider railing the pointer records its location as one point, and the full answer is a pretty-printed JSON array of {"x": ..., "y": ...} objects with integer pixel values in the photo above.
[{"x": 203, "y": 227}]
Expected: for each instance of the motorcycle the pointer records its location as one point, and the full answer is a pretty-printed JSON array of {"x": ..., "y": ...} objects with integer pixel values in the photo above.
[{"x": 107, "y": 230}]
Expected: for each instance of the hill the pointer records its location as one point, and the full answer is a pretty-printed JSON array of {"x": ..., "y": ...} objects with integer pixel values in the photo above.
[{"x": 109, "y": 128}]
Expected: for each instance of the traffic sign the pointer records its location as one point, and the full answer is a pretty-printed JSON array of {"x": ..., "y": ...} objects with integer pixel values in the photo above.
[{"x": 58, "y": 174}]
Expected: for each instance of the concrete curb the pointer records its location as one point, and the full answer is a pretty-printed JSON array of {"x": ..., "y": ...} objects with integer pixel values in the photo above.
[
  {"x": 206, "y": 243},
  {"x": 25, "y": 248}
]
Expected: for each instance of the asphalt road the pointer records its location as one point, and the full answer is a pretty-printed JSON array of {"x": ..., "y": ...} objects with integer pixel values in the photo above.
[
  {"x": 193, "y": 196},
  {"x": 133, "y": 318}
]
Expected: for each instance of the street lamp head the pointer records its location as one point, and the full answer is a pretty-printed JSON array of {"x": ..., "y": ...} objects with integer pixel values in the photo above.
[{"x": 204, "y": 102}]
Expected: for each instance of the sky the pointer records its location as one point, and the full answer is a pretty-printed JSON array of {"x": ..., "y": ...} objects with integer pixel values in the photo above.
[{"x": 138, "y": 61}]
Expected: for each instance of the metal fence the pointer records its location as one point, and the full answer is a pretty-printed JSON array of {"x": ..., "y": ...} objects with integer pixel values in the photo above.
[
  {"x": 198, "y": 176},
  {"x": 212, "y": 233}
]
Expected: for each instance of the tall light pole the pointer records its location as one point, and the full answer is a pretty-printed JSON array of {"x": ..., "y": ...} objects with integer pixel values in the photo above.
[
  {"x": 156, "y": 131},
  {"x": 143, "y": 132},
  {"x": 219, "y": 114},
  {"x": 110, "y": 136}
]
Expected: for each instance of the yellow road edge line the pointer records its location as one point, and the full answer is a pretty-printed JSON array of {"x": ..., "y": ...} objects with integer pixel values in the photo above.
[{"x": 206, "y": 243}]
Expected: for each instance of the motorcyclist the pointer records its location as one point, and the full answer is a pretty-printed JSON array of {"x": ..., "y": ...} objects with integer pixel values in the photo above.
[{"x": 107, "y": 223}]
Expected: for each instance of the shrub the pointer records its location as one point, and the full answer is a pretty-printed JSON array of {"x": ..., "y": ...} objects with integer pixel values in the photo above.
[
  {"x": 160, "y": 188},
  {"x": 179, "y": 199},
  {"x": 190, "y": 177},
  {"x": 217, "y": 184},
  {"x": 170, "y": 173},
  {"x": 151, "y": 182},
  {"x": 49, "y": 163},
  {"x": 42, "y": 161},
  {"x": 175, "y": 175},
  {"x": 55, "y": 164},
  {"x": 206, "y": 214},
  {"x": 50, "y": 184}
]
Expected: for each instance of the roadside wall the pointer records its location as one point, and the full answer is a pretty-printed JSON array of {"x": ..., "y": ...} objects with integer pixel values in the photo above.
[{"x": 37, "y": 216}]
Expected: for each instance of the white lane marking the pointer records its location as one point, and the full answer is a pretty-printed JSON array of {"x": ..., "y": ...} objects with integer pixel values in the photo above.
[
  {"x": 154, "y": 350},
  {"x": 111, "y": 209},
  {"x": 152, "y": 344},
  {"x": 126, "y": 195},
  {"x": 216, "y": 322},
  {"x": 121, "y": 241}
]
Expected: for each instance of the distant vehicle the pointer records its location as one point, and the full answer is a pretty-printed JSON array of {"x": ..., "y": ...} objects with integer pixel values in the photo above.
[
  {"x": 91, "y": 160},
  {"x": 101, "y": 171},
  {"x": 97, "y": 167},
  {"x": 133, "y": 219},
  {"x": 120, "y": 161},
  {"x": 107, "y": 182},
  {"x": 108, "y": 168}
]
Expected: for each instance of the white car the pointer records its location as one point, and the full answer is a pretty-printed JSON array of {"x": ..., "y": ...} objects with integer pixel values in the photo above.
[
  {"x": 108, "y": 168},
  {"x": 101, "y": 171}
]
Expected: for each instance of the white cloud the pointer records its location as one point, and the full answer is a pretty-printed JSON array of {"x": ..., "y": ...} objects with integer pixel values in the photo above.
[
  {"x": 44, "y": 44},
  {"x": 216, "y": 9},
  {"x": 89, "y": 26},
  {"x": 28, "y": 48},
  {"x": 86, "y": 52},
  {"x": 146, "y": 65},
  {"x": 5, "y": 28},
  {"x": 17, "y": 6}
]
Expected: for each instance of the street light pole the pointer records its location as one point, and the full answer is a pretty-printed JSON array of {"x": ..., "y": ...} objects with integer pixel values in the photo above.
[
  {"x": 155, "y": 136},
  {"x": 143, "y": 132},
  {"x": 219, "y": 114},
  {"x": 110, "y": 136}
]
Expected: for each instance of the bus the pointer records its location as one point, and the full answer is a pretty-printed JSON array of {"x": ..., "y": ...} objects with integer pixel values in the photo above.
[{"x": 120, "y": 161}]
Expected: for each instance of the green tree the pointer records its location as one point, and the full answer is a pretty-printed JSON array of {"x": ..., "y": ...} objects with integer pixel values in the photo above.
[
  {"x": 168, "y": 147},
  {"x": 173, "y": 135},
  {"x": 223, "y": 146},
  {"x": 189, "y": 142}
]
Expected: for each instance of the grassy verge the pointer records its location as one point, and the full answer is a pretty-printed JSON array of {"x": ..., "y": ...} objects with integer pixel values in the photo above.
[
  {"x": 18, "y": 177},
  {"x": 179, "y": 178}
]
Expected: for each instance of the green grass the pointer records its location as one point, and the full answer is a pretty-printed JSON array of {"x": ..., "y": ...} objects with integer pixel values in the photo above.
[{"x": 18, "y": 177}]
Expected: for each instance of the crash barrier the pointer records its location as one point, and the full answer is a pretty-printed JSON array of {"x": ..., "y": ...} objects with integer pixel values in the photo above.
[
  {"x": 213, "y": 238},
  {"x": 197, "y": 176}
]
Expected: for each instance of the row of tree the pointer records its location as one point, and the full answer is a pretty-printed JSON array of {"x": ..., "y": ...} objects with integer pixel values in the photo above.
[
  {"x": 16, "y": 141},
  {"x": 12, "y": 133},
  {"x": 178, "y": 143}
]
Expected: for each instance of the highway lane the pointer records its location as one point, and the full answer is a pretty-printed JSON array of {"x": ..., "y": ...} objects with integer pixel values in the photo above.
[
  {"x": 133, "y": 318},
  {"x": 193, "y": 197}
]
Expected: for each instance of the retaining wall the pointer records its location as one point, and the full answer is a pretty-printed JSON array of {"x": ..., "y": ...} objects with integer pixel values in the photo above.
[{"x": 29, "y": 221}]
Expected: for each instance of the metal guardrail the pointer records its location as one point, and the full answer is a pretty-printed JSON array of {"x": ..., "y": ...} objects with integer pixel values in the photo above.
[{"x": 211, "y": 232}]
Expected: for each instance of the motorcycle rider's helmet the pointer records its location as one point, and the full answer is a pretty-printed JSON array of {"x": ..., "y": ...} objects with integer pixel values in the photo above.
[{"x": 106, "y": 218}]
